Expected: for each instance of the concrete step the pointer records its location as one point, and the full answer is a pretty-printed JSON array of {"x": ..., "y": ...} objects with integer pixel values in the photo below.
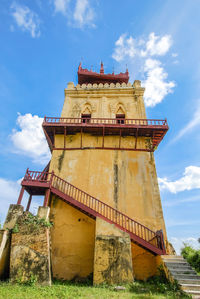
[
  {"x": 177, "y": 265},
  {"x": 166, "y": 257},
  {"x": 187, "y": 276},
  {"x": 175, "y": 261},
  {"x": 182, "y": 271},
  {"x": 195, "y": 293},
  {"x": 169, "y": 258},
  {"x": 188, "y": 281},
  {"x": 180, "y": 267},
  {"x": 190, "y": 287}
]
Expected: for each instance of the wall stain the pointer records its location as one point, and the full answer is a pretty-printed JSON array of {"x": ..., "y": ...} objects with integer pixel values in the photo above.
[{"x": 60, "y": 160}]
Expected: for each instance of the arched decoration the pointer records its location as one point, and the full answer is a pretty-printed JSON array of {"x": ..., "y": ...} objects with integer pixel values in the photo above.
[
  {"x": 86, "y": 113},
  {"x": 120, "y": 114}
]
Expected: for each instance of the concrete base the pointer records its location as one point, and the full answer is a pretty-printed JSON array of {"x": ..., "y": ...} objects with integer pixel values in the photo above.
[
  {"x": 43, "y": 212},
  {"x": 30, "y": 253},
  {"x": 14, "y": 212},
  {"x": 112, "y": 257}
]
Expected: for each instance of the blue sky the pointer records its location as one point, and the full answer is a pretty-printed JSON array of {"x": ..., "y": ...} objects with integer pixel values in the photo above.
[{"x": 42, "y": 43}]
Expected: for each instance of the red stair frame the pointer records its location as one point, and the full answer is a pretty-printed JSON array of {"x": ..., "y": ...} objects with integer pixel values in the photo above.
[{"x": 44, "y": 183}]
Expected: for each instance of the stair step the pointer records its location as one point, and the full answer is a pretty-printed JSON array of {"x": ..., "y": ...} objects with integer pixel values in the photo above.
[
  {"x": 190, "y": 287},
  {"x": 186, "y": 276},
  {"x": 173, "y": 258},
  {"x": 188, "y": 281},
  {"x": 191, "y": 292},
  {"x": 175, "y": 261},
  {"x": 168, "y": 264},
  {"x": 182, "y": 271}
]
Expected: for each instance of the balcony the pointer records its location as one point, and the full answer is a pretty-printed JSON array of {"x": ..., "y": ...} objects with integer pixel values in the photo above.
[{"x": 152, "y": 129}]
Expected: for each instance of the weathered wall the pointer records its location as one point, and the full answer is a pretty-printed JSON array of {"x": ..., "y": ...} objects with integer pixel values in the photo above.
[
  {"x": 72, "y": 241},
  {"x": 104, "y": 102},
  {"x": 126, "y": 180},
  {"x": 112, "y": 258},
  {"x": 145, "y": 264},
  {"x": 30, "y": 253},
  {"x": 14, "y": 212}
]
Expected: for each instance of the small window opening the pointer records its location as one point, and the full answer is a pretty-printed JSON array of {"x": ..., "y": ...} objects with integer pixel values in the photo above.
[
  {"x": 120, "y": 118},
  {"x": 85, "y": 118}
]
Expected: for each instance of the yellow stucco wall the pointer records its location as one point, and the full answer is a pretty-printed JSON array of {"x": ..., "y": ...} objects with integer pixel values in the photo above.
[
  {"x": 126, "y": 180},
  {"x": 72, "y": 241}
]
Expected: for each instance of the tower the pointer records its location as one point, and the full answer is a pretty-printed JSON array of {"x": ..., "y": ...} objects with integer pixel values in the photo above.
[{"x": 101, "y": 183}]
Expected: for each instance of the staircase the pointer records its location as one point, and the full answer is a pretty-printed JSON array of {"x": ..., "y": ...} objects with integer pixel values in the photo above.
[
  {"x": 38, "y": 183},
  {"x": 178, "y": 269}
]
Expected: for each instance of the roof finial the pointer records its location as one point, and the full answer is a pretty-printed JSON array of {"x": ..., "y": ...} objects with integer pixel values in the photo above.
[
  {"x": 102, "y": 69},
  {"x": 126, "y": 69},
  {"x": 80, "y": 66}
]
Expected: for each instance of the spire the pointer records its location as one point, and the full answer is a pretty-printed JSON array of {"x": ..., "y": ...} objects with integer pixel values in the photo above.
[
  {"x": 80, "y": 66},
  {"x": 102, "y": 69},
  {"x": 127, "y": 69}
]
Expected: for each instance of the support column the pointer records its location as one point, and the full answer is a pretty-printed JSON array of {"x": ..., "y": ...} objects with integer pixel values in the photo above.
[
  {"x": 29, "y": 202},
  {"x": 20, "y": 196},
  {"x": 46, "y": 198}
]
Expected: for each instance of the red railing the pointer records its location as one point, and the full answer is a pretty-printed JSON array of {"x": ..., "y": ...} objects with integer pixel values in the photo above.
[
  {"x": 100, "y": 208},
  {"x": 37, "y": 176},
  {"x": 104, "y": 121}
]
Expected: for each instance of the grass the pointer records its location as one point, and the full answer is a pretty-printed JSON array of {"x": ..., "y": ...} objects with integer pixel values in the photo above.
[{"x": 152, "y": 289}]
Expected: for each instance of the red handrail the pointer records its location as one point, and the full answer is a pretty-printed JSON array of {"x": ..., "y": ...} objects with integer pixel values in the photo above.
[
  {"x": 115, "y": 216},
  {"x": 113, "y": 121}
]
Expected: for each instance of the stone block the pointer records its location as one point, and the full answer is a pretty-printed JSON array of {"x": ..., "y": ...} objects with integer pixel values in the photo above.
[
  {"x": 30, "y": 253},
  {"x": 14, "y": 212},
  {"x": 112, "y": 257},
  {"x": 43, "y": 212}
]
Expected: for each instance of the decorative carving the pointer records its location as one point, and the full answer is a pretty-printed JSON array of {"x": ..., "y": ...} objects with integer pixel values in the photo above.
[{"x": 76, "y": 110}]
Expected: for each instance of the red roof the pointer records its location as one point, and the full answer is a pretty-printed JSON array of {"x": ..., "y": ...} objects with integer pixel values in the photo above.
[{"x": 85, "y": 76}]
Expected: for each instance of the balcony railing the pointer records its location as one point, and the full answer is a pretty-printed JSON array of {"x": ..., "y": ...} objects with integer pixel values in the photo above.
[{"x": 104, "y": 121}]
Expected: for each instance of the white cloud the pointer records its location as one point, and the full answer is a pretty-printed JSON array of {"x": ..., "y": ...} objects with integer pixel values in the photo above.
[
  {"x": 157, "y": 45},
  {"x": 26, "y": 19},
  {"x": 82, "y": 14},
  {"x": 61, "y": 6},
  {"x": 30, "y": 139},
  {"x": 138, "y": 54},
  {"x": 190, "y": 180},
  {"x": 125, "y": 47},
  {"x": 156, "y": 86},
  {"x": 178, "y": 243}
]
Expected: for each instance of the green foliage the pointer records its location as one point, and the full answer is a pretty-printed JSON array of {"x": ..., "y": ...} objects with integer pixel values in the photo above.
[
  {"x": 192, "y": 256},
  {"x": 15, "y": 228},
  {"x": 69, "y": 290},
  {"x": 32, "y": 223},
  {"x": 37, "y": 221},
  {"x": 28, "y": 282},
  {"x": 159, "y": 285}
]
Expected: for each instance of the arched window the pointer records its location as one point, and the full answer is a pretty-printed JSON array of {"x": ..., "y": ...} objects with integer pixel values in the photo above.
[
  {"x": 86, "y": 115},
  {"x": 120, "y": 116}
]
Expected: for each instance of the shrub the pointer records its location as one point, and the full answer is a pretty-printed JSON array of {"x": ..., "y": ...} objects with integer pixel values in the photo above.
[{"x": 192, "y": 256}]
